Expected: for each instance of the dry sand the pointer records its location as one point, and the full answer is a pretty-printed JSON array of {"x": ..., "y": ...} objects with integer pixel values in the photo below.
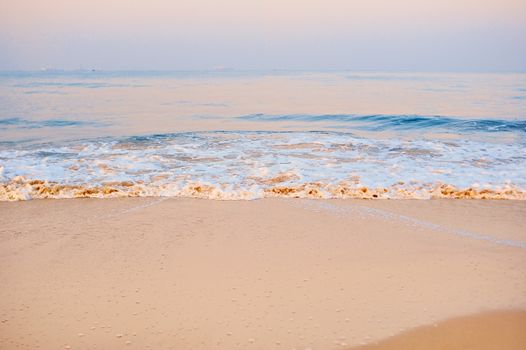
[{"x": 149, "y": 273}]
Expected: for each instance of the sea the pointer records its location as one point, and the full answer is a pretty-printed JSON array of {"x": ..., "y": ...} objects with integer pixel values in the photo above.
[{"x": 243, "y": 135}]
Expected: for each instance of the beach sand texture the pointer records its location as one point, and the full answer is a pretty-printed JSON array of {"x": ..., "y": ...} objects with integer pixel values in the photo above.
[{"x": 157, "y": 273}]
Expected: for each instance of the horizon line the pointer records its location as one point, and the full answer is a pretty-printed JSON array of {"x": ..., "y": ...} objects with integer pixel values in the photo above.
[{"x": 248, "y": 70}]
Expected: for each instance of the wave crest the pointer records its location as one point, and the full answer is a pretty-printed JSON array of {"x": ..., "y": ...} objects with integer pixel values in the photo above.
[{"x": 400, "y": 122}]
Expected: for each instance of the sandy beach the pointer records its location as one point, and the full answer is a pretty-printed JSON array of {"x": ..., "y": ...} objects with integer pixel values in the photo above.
[
  {"x": 267, "y": 175},
  {"x": 156, "y": 273}
]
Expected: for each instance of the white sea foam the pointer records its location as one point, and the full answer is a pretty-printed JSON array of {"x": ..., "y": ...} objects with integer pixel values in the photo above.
[{"x": 249, "y": 165}]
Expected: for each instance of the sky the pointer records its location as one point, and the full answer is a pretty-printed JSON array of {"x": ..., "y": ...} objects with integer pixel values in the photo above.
[{"x": 386, "y": 35}]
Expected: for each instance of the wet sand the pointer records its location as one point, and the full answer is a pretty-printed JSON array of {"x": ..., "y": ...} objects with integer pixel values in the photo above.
[
  {"x": 150, "y": 273},
  {"x": 488, "y": 331}
]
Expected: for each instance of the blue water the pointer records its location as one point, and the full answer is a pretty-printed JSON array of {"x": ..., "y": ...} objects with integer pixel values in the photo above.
[
  {"x": 31, "y": 124},
  {"x": 383, "y": 122},
  {"x": 248, "y": 135}
]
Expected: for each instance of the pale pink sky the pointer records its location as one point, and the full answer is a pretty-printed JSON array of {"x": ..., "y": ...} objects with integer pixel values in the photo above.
[{"x": 269, "y": 34}]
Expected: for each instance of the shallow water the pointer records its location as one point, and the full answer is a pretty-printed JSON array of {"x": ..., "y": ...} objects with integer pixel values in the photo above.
[{"x": 235, "y": 135}]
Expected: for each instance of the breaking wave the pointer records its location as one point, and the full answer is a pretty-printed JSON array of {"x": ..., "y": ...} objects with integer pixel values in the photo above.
[{"x": 249, "y": 165}]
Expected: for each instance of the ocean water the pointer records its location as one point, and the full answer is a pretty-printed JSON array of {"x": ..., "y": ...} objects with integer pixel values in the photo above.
[{"x": 249, "y": 135}]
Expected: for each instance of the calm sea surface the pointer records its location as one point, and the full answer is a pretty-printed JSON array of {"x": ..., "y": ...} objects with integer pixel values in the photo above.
[{"x": 236, "y": 135}]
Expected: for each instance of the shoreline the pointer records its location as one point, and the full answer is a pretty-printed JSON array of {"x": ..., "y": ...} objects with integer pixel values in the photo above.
[
  {"x": 20, "y": 189},
  {"x": 265, "y": 274}
]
